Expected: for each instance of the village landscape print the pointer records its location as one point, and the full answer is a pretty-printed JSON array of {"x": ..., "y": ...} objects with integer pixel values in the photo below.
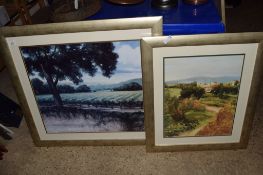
[
  {"x": 200, "y": 95},
  {"x": 87, "y": 87}
]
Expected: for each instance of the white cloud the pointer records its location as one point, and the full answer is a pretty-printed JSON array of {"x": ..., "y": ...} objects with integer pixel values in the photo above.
[
  {"x": 129, "y": 58},
  {"x": 116, "y": 78}
]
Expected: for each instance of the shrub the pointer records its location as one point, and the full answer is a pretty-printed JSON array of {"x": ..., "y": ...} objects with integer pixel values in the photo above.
[
  {"x": 83, "y": 88},
  {"x": 222, "y": 89},
  {"x": 189, "y": 91},
  {"x": 172, "y": 128},
  {"x": 191, "y": 104},
  {"x": 174, "y": 114},
  {"x": 222, "y": 125},
  {"x": 171, "y": 107}
]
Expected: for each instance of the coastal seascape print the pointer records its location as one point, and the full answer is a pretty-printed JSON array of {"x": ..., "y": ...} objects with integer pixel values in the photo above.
[
  {"x": 87, "y": 87},
  {"x": 200, "y": 95}
]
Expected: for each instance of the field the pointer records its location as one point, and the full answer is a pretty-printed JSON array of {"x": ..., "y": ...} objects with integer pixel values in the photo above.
[
  {"x": 190, "y": 110},
  {"x": 211, "y": 100},
  {"x": 101, "y": 111},
  {"x": 92, "y": 97},
  {"x": 174, "y": 91}
]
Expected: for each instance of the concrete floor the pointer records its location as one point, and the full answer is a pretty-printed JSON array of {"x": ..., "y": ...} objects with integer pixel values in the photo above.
[{"x": 25, "y": 158}]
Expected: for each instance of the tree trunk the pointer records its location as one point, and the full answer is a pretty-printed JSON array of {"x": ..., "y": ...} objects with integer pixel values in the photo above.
[{"x": 53, "y": 88}]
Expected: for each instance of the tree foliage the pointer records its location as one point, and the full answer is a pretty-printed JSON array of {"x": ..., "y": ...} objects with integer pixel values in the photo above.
[
  {"x": 222, "y": 89},
  {"x": 39, "y": 86},
  {"x": 195, "y": 91},
  {"x": 69, "y": 61},
  {"x": 172, "y": 107}
]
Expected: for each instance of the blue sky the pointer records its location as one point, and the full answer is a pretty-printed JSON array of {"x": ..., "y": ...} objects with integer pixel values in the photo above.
[
  {"x": 128, "y": 66},
  {"x": 133, "y": 43},
  {"x": 209, "y": 66}
]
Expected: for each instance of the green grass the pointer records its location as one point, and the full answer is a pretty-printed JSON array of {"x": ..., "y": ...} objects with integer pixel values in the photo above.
[
  {"x": 211, "y": 100},
  {"x": 193, "y": 119},
  {"x": 172, "y": 128},
  {"x": 174, "y": 91},
  {"x": 201, "y": 116}
]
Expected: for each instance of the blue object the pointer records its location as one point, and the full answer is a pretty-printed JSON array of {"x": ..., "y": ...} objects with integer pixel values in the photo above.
[{"x": 183, "y": 19}]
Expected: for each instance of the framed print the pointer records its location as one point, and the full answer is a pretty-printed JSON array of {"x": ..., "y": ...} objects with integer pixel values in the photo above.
[
  {"x": 200, "y": 91},
  {"x": 80, "y": 83}
]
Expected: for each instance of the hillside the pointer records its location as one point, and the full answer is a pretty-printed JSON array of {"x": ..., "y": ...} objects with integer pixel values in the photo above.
[
  {"x": 114, "y": 86},
  {"x": 204, "y": 79}
]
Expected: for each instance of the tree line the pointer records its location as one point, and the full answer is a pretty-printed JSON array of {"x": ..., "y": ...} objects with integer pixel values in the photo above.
[
  {"x": 193, "y": 90},
  {"x": 222, "y": 89},
  {"x": 133, "y": 86},
  {"x": 41, "y": 88}
]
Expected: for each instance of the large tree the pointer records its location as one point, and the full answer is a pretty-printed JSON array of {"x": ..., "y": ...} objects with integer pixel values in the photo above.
[
  {"x": 39, "y": 86},
  {"x": 55, "y": 63}
]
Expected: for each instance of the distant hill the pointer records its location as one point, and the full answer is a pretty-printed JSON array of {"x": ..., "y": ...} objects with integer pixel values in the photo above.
[
  {"x": 136, "y": 80},
  {"x": 224, "y": 79},
  {"x": 114, "y": 86},
  {"x": 132, "y": 86}
]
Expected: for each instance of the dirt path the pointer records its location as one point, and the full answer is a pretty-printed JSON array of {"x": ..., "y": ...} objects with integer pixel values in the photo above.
[
  {"x": 212, "y": 108},
  {"x": 196, "y": 130},
  {"x": 199, "y": 128}
]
